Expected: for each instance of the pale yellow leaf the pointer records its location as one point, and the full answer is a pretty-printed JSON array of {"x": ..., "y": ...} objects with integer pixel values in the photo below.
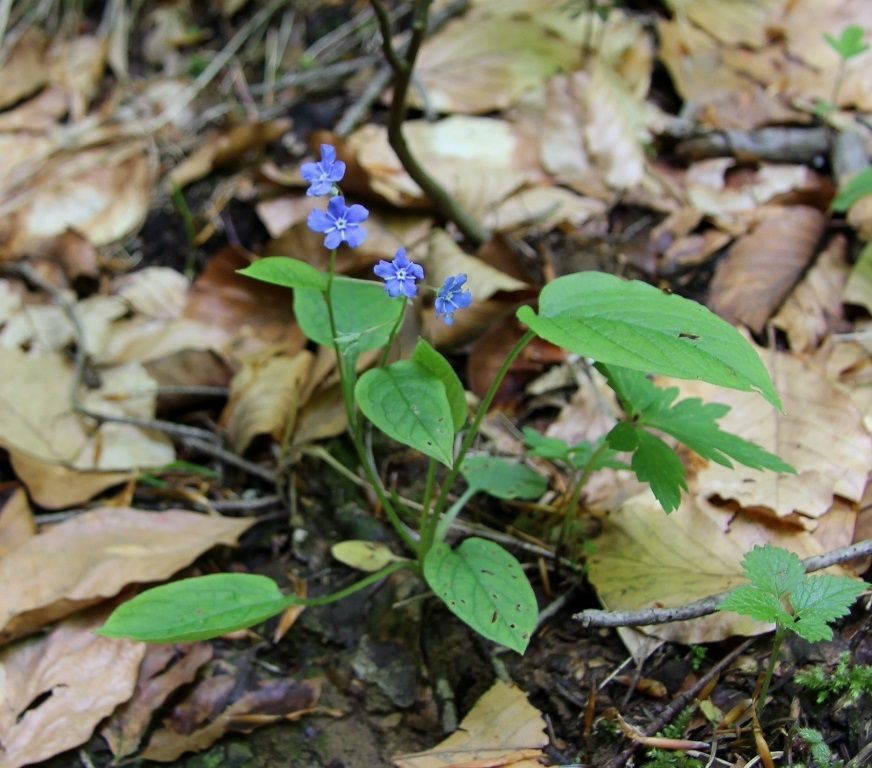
[
  {"x": 503, "y": 728},
  {"x": 368, "y": 556}
]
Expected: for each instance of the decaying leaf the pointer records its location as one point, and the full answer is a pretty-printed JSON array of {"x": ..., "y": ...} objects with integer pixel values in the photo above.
[
  {"x": 814, "y": 308},
  {"x": 821, "y": 434},
  {"x": 93, "y": 556},
  {"x": 645, "y": 558},
  {"x": 502, "y": 729},
  {"x": 164, "y": 670},
  {"x": 57, "y": 688},
  {"x": 761, "y": 268},
  {"x": 16, "y": 522}
]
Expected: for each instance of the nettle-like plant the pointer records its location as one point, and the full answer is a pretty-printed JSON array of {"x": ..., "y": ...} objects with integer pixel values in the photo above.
[{"x": 630, "y": 329}]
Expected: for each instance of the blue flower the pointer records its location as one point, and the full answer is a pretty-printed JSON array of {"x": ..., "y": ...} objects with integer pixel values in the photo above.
[
  {"x": 400, "y": 275},
  {"x": 339, "y": 223},
  {"x": 451, "y": 297},
  {"x": 322, "y": 176}
]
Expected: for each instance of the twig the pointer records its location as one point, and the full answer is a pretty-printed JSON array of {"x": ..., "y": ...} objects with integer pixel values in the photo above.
[
  {"x": 227, "y": 457},
  {"x": 356, "y": 113},
  {"x": 681, "y": 701},
  {"x": 403, "y": 67},
  {"x": 598, "y": 618},
  {"x": 246, "y": 505}
]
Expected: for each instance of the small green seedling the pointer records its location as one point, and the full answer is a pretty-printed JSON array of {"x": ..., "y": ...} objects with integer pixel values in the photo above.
[
  {"x": 847, "y": 46},
  {"x": 697, "y": 656},
  {"x": 782, "y": 593},
  {"x": 847, "y": 681},
  {"x": 820, "y": 753},
  {"x": 856, "y": 187},
  {"x": 665, "y": 758}
]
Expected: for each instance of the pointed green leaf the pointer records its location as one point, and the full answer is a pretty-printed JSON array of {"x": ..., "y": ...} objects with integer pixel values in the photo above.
[
  {"x": 552, "y": 448},
  {"x": 690, "y": 421},
  {"x": 197, "y": 609},
  {"x": 634, "y": 324},
  {"x": 424, "y": 354},
  {"x": 655, "y": 463},
  {"x": 287, "y": 272},
  {"x": 503, "y": 479},
  {"x": 856, "y": 187},
  {"x": 408, "y": 403},
  {"x": 485, "y": 587},
  {"x": 363, "y": 312}
]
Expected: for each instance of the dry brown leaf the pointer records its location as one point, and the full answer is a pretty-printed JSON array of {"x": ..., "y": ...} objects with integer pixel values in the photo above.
[
  {"x": 102, "y": 192},
  {"x": 77, "y": 66},
  {"x": 645, "y": 558},
  {"x": 155, "y": 292},
  {"x": 503, "y": 728},
  {"x": 814, "y": 309},
  {"x": 58, "y": 688},
  {"x": 850, "y": 364},
  {"x": 187, "y": 731},
  {"x": 858, "y": 289},
  {"x": 16, "y": 522},
  {"x": 265, "y": 397},
  {"x": 93, "y": 556},
  {"x": 37, "y": 114},
  {"x": 164, "y": 670},
  {"x": 55, "y": 486},
  {"x": 821, "y": 434},
  {"x": 24, "y": 71},
  {"x": 479, "y": 160},
  {"x": 761, "y": 268},
  {"x": 740, "y": 22},
  {"x": 226, "y": 146}
]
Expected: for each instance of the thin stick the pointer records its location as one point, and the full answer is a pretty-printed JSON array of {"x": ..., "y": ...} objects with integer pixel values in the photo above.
[
  {"x": 708, "y": 605},
  {"x": 681, "y": 701}
]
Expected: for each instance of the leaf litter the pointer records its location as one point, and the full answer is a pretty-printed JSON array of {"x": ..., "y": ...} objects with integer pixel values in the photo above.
[{"x": 577, "y": 129}]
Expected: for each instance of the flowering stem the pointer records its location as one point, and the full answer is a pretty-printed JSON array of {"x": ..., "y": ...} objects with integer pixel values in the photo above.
[
  {"x": 390, "y": 342},
  {"x": 346, "y": 379},
  {"x": 428, "y": 534},
  {"x": 572, "y": 505},
  {"x": 403, "y": 69}
]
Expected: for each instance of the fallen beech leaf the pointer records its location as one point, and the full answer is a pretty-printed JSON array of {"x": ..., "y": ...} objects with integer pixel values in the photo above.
[
  {"x": 164, "y": 670},
  {"x": 16, "y": 522},
  {"x": 39, "y": 113},
  {"x": 224, "y": 147},
  {"x": 58, "y": 688},
  {"x": 645, "y": 559},
  {"x": 859, "y": 287},
  {"x": 156, "y": 292},
  {"x": 814, "y": 308},
  {"x": 821, "y": 434},
  {"x": 55, "y": 486},
  {"x": 102, "y": 192},
  {"x": 24, "y": 72},
  {"x": 265, "y": 398},
  {"x": 93, "y": 556},
  {"x": 185, "y": 731},
  {"x": 761, "y": 268},
  {"x": 544, "y": 207},
  {"x": 742, "y": 22},
  {"x": 77, "y": 65},
  {"x": 479, "y": 160},
  {"x": 503, "y": 728}
]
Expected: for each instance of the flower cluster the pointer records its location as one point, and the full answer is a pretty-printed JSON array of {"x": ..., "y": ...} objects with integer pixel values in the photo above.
[{"x": 342, "y": 224}]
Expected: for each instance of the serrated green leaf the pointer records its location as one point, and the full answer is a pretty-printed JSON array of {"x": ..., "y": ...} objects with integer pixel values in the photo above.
[
  {"x": 773, "y": 569},
  {"x": 195, "y": 609},
  {"x": 690, "y": 421},
  {"x": 581, "y": 453},
  {"x": 484, "y": 586},
  {"x": 819, "y": 600},
  {"x": 363, "y": 312},
  {"x": 287, "y": 272},
  {"x": 637, "y": 326},
  {"x": 757, "y": 604},
  {"x": 856, "y": 187},
  {"x": 850, "y": 43},
  {"x": 503, "y": 479},
  {"x": 408, "y": 403},
  {"x": 655, "y": 463},
  {"x": 424, "y": 354}
]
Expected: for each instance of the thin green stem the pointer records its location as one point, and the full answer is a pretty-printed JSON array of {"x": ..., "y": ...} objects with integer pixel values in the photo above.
[
  {"x": 780, "y": 633},
  {"x": 572, "y": 505},
  {"x": 444, "y": 525},
  {"x": 390, "y": 342},
  {"x": 489, "y": 396},
  {"x": 356, "y": 587},
  {"x": 346, "y": 379}
]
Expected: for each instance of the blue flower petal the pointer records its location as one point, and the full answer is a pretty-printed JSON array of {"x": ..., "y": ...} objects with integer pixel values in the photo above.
[{"x": 320, "y": 221}]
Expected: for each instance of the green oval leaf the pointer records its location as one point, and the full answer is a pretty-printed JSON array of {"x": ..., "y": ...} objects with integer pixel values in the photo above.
[
  {"x": 287, "y": 272},
  {"x": 363, "y": 312},
  {"x": 634, "y": 324},
  {"x": 503, "y": 479},
  {"x": 199, "y": 608},
  {"x": 434, "y": 362},
  {"x": 484, "y": 586},
  {"x": 409, "y": 404}
]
